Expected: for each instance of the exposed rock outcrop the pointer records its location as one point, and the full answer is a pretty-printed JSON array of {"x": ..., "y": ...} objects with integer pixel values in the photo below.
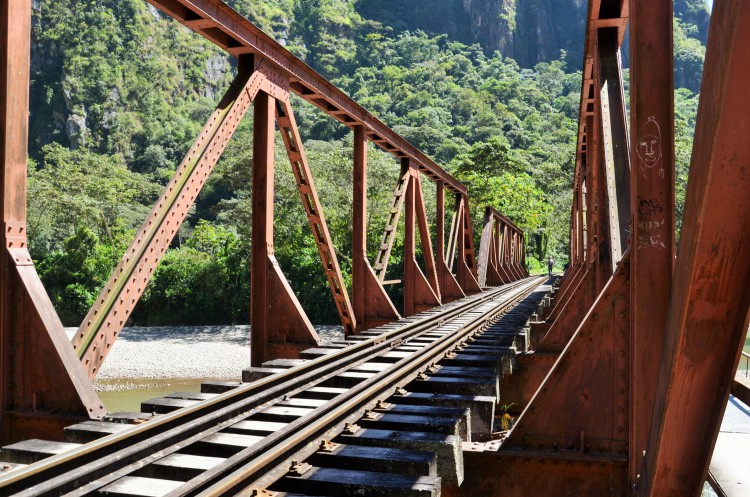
[{"x": 530, "y": 31}]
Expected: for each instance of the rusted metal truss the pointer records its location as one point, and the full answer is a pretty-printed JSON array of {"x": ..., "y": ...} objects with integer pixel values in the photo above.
[
  {"x": 633, "y": 362},
  {"x": 437, "y": 283},
  {"x": 217, "y": 22},
  {"x": 463, "y": 244},
  {"x": 630, "y": 356},
  {"x": 281, "y": 329},
  {"x": 501, "y": 250},
  {"x": 450, "y": 290},
  {"x": 42, "y": 385},
  {"x": 107, "y": 317},
  {"x": 313, "y": 209},
  {"x": 47, "y": 380},
  {"x": 707, "y": 319},
  {"x": 634, "y": 351},
  {"x": 372, "y": 306}
]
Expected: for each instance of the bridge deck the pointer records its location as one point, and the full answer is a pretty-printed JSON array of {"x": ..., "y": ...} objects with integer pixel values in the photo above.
[{"x": 730, "y": 464}]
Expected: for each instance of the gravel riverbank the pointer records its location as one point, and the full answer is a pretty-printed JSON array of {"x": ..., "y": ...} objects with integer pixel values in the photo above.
[{"x": 185, "y": 352}]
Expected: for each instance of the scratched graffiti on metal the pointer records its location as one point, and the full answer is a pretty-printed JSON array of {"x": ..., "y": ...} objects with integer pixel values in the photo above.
[
  {"x": 649, "y": 147},
  {"x": 650, "y": 221}
]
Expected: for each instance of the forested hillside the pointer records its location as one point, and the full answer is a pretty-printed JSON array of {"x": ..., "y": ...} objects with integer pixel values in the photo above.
[{"x": 119, "y": 92}]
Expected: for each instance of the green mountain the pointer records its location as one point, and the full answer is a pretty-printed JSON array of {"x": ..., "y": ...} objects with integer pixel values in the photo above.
[{"x": 119, "y": 91}]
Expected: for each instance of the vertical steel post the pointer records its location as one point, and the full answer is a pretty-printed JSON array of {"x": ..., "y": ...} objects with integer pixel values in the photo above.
[
  {"x": 419, "y": 294},
  {"x": 615, "y": 141},
  {"x": 278, "y": 325},
  {"x": 652, "y": 200},
  {"x": 440, "y": 221},
  {"x": 372, "y": 306},
  {"x": 410, "y": 265},
  {"x": 601, "y": 239},
  {"x": 501, "y": 277},
  {"x": 466, "y": 269},
  {"x": 359, "y": 226},
  {"x": 708, "y": 317},
  {"x": 449, "y": 287},
  {"x": 15, "y": 39},
  {"x": 42, "y": 385},
  {"x": 262, "y": 229}
]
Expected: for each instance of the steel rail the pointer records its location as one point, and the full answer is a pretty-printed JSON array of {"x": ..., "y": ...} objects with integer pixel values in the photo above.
[
  {"x": 228, "y": 29},
  {"x": 236, "y": 411},
  {"x": 67, "y": 471},
  {"x": 320, "y": 420}
]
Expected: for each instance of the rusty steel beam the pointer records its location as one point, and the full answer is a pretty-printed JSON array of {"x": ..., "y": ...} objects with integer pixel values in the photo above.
[
  {"x": 652, "y": 200},
  {"x": 507, "y": 251},
  {"x": 450, "y": 250},
  {"x": 581, "y": 242},
  {"x": 118, "y": 297},
  {"x": 217, "y": 22},
  {"x": 485, "y": 274},
  {"x": 314, "y": 211},
  {"x": 371, "y": 304},
  {"x": 497, "y": 272},
  {"x": 580, "y": 411},
  {"x": 521, "y": 242},
  {"x": 708, "y": 315},
  {"x": 501, "y": 251},
  {"x": 614, "y": 141},
  {"x": 425, "y": 240},
  {"x": 597, "y": 170},
  {"x": 450, "y": 290},
  {"x": 573, "y": 263},
  {"x": 278, "y": 325},
  {"x": 466, "y": 268},
  {"x": 507, "y": 241},
  {"x": 42, "y": 385},
  {"x": 577, "y": 256},
  {"x": 419, "y": 294},
  {"x": 583, "y": 351},
  {"x": 494, "y": 275},
  {"x": 391, "y": 225},
  {"x": 515, "y": 266}
]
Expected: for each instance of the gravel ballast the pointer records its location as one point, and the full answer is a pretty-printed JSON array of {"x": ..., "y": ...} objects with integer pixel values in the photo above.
[{"x": 184, "y": 352}]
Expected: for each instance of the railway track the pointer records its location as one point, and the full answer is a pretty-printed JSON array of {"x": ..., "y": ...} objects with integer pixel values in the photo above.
[{"x": 384, "y": 413}]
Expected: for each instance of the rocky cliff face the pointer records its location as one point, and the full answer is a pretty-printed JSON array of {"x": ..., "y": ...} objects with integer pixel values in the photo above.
[
  {"x": 530, "y": 31},
  {"x": 545, "y": 27}
]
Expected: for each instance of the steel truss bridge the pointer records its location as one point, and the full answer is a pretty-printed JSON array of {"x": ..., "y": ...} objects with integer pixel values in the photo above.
[{"x": 620, "y": 372}]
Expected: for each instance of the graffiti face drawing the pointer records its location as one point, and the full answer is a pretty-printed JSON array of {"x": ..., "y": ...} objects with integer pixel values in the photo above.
[{"x": 649, "y": 145}]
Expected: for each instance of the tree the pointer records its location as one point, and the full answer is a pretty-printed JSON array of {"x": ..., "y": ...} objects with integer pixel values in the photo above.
[
  {"x": 74, "y": 274},
  {"x": 71, "y": 189}
]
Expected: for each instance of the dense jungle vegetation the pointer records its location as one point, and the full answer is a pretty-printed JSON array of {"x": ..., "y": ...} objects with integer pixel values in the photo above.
[{"x": 120, "y": 91}]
